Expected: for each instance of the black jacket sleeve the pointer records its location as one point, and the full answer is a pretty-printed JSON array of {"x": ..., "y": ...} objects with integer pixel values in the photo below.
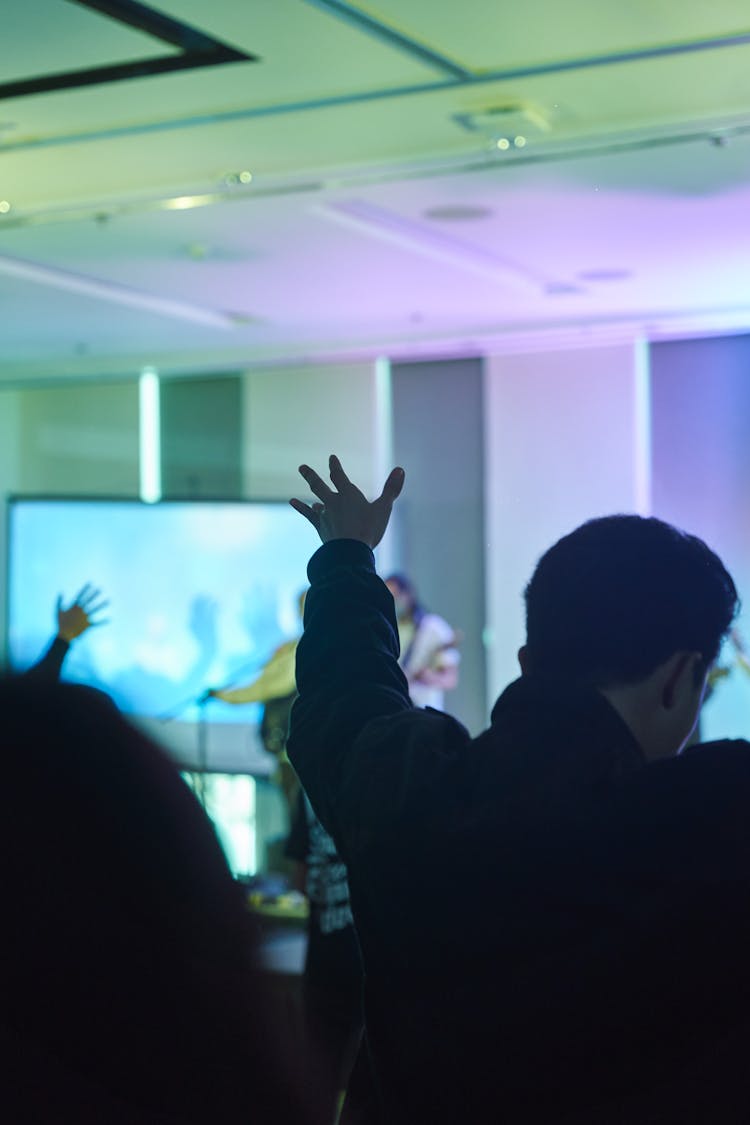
[
  {"x": 364, "y": 754},
  {"x": 49, "y": 666}
]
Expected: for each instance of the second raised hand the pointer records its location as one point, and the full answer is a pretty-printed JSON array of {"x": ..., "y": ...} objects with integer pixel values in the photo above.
[{"x": 344, "y": 512}]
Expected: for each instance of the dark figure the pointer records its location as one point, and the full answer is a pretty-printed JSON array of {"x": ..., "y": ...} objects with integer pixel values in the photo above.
[
  {"x": 127, "y": 993},
  {"x": 554, "y": 917},
  {"x": 429, "y": 655},
  {"x": 72, "y": 621},
  {"x": 276, "y": 688},
  {"x": 332, "y": 978}
]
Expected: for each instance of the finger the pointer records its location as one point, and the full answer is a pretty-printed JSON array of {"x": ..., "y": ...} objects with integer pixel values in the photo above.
[
  {"x": 82, "y": 593},
  {"x": 90, "y": 599},
  {"x": 393, "y": 485},
  {"x": 91, "y": 609},
  {"x": 58, "y": 604},
  {"x": 101, "y": 621},
  {"x": 306, "y": 511},
  {"x": 338, "y": 476},
  {"x": 315, "y": 483}
]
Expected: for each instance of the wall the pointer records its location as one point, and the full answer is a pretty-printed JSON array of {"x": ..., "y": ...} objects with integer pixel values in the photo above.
[
  {"x": 439, "y": 520},
  {"x": 564, "y": 442},
  {"x": 80, "y": 438},
  {"x": 75, "y": 439},
  {"x": 701, "y": 477},
  {"x": 291, "y": 415},
  {"x": 201, "y": 437}
]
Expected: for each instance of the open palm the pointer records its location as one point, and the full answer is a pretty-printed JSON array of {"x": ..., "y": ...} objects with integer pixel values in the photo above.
[{"x": 344, "y": 512}]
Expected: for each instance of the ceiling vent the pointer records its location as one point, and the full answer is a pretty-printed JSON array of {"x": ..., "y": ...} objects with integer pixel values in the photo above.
[{"x": 512, "y": 118}]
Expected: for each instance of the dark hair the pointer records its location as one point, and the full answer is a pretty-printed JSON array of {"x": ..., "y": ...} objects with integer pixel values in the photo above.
[
  {"x": 406, "y": 586},
  {"x": 611, "y": 601}
]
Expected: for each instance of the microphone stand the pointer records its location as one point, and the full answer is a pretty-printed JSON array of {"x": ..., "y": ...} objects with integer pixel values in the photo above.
[{"x": 202, "y": 730}]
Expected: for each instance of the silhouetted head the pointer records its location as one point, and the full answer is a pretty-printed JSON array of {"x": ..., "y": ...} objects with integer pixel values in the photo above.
[
  {"x": 623, "y": 599},
  {"x": 126, "y": 948}
]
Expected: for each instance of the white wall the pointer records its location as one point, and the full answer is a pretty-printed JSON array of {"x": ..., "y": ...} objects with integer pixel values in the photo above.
[
  {"x": 701, "y": 429},
  {"x": 74, "y": 439},
  {"x": 301, "y": 414},
  {"x": 80, "y": 439},
  {"x": 564, "y": 442}
]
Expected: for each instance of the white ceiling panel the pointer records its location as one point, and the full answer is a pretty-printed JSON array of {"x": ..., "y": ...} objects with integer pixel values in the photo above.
[
  {"x": 381, "y": 215},
  {"x": 487, "y": 35}
]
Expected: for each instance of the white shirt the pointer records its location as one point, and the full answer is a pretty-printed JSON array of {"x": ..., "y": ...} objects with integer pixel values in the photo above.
[{"x": 428, "y": 646}]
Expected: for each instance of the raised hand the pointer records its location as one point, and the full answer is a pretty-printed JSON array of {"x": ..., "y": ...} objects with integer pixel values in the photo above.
[
  {"x": 343, "y": 512},
  {"x": 80, "y": 614}
]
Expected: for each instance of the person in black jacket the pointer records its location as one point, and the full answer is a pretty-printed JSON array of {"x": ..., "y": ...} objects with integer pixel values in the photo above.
[{"x": 554, "y": 917}]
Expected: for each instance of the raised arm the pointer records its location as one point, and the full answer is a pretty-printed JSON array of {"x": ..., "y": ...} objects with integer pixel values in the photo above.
[
  {"x": 347, "y": 659},
  {"x": 83, "y": 613}
]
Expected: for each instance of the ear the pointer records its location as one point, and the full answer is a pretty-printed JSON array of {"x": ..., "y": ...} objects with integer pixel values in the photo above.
[
  {"x": 523, "y": 659},
  {"x": 679, "y": 678}
]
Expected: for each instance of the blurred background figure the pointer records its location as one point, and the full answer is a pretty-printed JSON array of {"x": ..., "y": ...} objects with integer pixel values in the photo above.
[
  {"x": 275, "y": 687},
  {"x": 429, "y": 646},
  {"x": 127, "y": 992}
]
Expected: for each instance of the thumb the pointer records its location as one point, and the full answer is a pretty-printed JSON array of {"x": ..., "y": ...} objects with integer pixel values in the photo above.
[{"x": 393, "y": 485}]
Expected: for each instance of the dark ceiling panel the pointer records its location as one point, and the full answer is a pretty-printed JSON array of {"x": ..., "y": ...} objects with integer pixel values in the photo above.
[{"x": 196, "y": 49}]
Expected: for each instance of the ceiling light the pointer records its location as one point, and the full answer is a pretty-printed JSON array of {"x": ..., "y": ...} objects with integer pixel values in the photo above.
[
  {"x": 4, "y": 206},
  {"x": 519, "y": 142},
  {"x": 562, "y": 289},
  {"x": 185, "y": 202},
  {"x": 605, "y": 274},
  {"x": 232, "y": 179},
  {"x": 457, "y": 213},
  {"x": 502, "y": 143}
]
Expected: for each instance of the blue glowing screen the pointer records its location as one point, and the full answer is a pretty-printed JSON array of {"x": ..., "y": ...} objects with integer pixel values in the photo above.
[{"x": 200, "y": 594}]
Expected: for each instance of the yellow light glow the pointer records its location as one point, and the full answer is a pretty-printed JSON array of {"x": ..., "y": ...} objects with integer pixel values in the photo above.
[
  {"x": 185, "y": 202},
  {"x": 519, "y": 142},
  {"x": 4, "y": 207},
  {"x": 245, "y": 177},
  {"x": 503, "y": 143}
]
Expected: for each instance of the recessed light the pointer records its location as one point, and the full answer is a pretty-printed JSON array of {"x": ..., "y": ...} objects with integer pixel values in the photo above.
[
  {"x": 231, "y": 179},
  {"x": 561, "y": 289},
  {"x": 502, "y": 143},
  {"x": 457, "y": 213},
  {"x": 4, "y": 206},
  {"x": 605, "y": 273}
]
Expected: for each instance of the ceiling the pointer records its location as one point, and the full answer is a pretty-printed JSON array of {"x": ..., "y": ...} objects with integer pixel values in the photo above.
[{"x": 245, "y": 183}]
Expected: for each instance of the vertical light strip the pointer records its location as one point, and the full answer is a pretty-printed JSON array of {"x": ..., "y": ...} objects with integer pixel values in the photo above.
[
  {"x": 642, "y": 427},
  {"x": 150, "y": 436},
  {"x": 383, "y": 448}
]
